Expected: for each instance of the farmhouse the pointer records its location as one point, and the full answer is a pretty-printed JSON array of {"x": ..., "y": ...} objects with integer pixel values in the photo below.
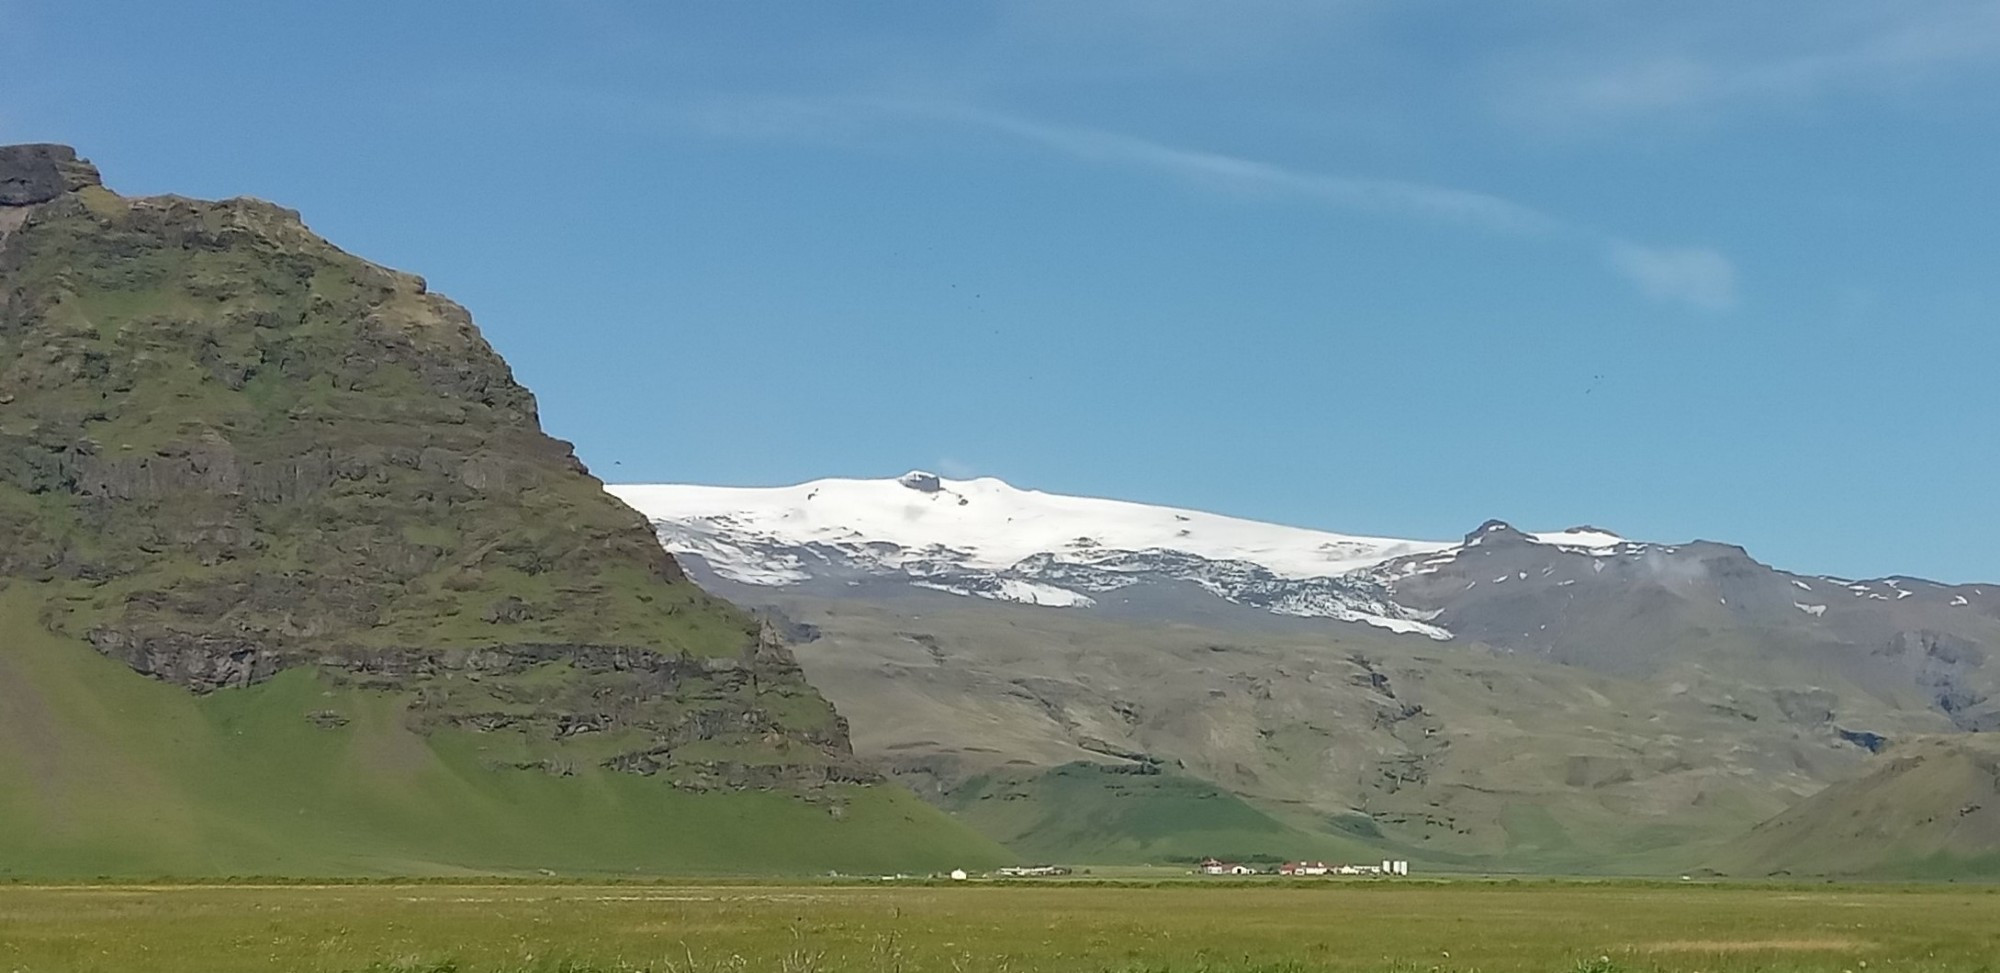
[
  {"x": 1212, "y": 866},
  {"x": 1305, "y": 868}
]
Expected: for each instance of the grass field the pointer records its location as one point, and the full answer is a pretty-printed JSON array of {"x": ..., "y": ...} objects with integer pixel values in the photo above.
[{"x": 1414, "y": 927}]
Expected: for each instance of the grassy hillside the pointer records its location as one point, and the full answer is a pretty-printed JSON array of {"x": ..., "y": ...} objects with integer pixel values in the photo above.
[
  {"x": 1086, "y": 812},
  {"x": 1926, "y": 809},
  {"x": 1444, "y": 755},
  {"x": 113, "y": 773}
]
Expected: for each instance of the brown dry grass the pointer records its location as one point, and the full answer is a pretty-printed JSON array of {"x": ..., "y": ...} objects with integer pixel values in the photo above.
[{"x": 1786, "y": 945}]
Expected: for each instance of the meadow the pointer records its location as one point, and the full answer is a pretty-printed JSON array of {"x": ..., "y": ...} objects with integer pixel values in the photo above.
[{"x": 1410, "y": 927}]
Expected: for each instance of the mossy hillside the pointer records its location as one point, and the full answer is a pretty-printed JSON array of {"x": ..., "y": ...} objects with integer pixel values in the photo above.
[
  {"x": 249, "y": 413},
  {"x": 228, "y": 448},
  {"x": 111, "y": 773}
]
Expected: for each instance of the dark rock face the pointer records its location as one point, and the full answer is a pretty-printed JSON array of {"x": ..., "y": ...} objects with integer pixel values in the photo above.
[
  {"x": 31, "y": 174},
  {"x": 921, "y": 482},
  {"x": 200, "y": 662}
]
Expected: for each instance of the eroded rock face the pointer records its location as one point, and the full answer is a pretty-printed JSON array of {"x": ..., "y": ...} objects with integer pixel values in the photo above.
[
  {"x": 31, "y": 174},
  {"x": 200, "y": 662}
]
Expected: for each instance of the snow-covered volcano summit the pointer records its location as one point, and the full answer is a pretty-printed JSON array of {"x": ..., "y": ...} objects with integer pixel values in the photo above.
[
  {"x": 987, "y": 523},
  {"x": 988, "y": 539}
]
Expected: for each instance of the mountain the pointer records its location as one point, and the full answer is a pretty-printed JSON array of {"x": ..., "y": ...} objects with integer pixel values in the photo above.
[
  {"x": 1927, "y": 808},
  {"x": 292, "y": 581},
  {"x": 1552, "y": 700}
]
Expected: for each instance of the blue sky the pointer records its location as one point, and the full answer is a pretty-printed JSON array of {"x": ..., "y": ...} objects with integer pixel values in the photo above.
[{"x": 1386, "y": 266}]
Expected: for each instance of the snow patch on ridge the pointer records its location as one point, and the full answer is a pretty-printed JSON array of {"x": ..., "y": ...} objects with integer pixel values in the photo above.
[
  {"x": 1016, "y": 590},
  {"x": 1589, "y": 538}
]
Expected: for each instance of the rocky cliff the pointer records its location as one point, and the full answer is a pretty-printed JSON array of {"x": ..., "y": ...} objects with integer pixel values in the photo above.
[{"x": 229, "y": 449}]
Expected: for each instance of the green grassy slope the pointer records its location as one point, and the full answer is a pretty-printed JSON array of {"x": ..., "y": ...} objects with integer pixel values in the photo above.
[
  {"x": 1086, "y": 813},
  {"x": 112, "y": 773},
  {"x": 1927, "y": 809},
  {"x": 1444, "y": 755}
]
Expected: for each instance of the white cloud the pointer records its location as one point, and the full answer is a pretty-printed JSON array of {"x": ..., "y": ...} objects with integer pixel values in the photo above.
[{"x": 1692, "y": 275}]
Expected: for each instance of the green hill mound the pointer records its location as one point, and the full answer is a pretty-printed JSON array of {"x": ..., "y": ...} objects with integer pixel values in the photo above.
[
  {"x": 1084, "y": 812},
  {"x": 389, "y": 624},
  {"x": 1929, "y": 808}
]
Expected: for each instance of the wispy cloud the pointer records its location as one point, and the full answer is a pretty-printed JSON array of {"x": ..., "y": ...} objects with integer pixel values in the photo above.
[
  {"x": 1693, "y": 276},
  {"x": 1699, "y": 277},
  {"x": 1735, "y": 61},
  {"x": 1235, "y": 172}
]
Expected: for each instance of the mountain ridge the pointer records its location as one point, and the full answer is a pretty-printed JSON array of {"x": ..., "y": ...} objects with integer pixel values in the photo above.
[{"x": 985, "y": 538}]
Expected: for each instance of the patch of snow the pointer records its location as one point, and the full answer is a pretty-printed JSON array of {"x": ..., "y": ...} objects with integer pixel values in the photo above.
[
  {"x": 1588, "y": 539},
  {"x": 1802, "y": 586},
  {"x": 1813, "y": 610},
  {"x": 1403, "y": 625},
  {"x": 1016, "y": 590},
  {"x": 1958, "y": 600}
]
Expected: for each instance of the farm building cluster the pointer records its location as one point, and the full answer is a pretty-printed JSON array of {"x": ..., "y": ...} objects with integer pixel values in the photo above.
[
  {"x": 1032, "y": 871},
  {"x": 1215, "y": 866}
]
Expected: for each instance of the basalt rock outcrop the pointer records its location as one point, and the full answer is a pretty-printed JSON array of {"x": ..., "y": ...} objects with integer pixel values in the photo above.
[
  {"x": 229, "y": 450},
  {"x": 31, "y": 174}
]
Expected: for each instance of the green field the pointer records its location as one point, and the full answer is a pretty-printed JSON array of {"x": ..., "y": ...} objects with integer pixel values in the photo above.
[{"x": 1417, "y": 927}]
